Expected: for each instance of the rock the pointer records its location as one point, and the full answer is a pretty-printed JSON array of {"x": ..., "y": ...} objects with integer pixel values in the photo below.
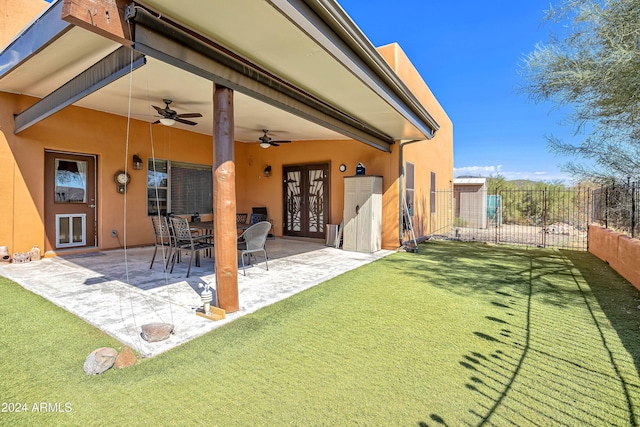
[
  {"x": 100, "y": 360},
  {"x": 153, "y": 332},
  {"x": 125, "y": 359}
]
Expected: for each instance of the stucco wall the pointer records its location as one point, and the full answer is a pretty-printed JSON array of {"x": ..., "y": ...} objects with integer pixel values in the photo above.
[
  {"x": 80, "y": 130},
  {"x": 434, "y": 155},
  {"x": 620, "y": 252},
  {"x": 16, "y": 14},
  {"x": 253, "y": 189},
  {"x": 84, "y": 131}
]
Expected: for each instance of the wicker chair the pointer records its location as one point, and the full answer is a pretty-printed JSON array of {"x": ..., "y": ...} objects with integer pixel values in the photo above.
[
  {"x": 253, "y": 240},
  {"x": 259, "y": 214}
]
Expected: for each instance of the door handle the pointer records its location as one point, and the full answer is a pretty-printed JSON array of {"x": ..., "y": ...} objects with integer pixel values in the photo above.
[
  {"x": 357, "y": 209},
  {"x": 92, "y": 206}
]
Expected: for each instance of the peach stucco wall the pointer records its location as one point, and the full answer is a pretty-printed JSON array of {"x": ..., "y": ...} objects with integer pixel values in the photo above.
[
  {"x": 84, "y": 131},
  {"x": 434, "y": 155},
  {"x": 16, "y": 14},
  {"x": 619, "y": 251},
  {"x": 79, "y": 130},
  {"x": 255, "y": 190},
  {"x": 104, "y": 135}
]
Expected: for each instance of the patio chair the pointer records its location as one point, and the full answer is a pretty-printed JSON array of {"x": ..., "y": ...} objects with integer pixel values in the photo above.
[
  {"x": 253, "y": 240},
  {"x": 163, "y": 239},
  {"x": 241, "y": 218},
  {"x": 185, "y": 240},
  {"x": 259, "y": 214}
]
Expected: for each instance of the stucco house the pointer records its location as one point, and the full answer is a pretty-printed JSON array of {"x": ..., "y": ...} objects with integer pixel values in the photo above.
[{"x": 114, "y": 111}]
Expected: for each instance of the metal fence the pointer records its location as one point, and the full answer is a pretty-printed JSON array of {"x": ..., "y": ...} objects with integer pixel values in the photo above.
[
  {"x": 553, "y": 217},
  {"x": 549, "y": 217},
  {"x": 616, "y": 207}
]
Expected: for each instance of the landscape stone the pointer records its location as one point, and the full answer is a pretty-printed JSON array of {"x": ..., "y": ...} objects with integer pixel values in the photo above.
[
  {"x": 125, "y": 359},
  {"x": 100, "y": 360},
  {"x": 153, "y": 332}
]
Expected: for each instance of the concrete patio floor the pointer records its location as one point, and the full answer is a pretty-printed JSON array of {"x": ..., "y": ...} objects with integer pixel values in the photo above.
[{"x": 117, "y": 292}]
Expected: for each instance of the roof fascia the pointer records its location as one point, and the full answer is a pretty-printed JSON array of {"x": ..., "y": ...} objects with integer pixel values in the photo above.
[
  {"x": 327, "y": 23},
  {"x": 43, "y": 31}
]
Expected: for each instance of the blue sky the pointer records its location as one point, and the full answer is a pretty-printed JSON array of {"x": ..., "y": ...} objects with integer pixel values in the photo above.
[{"x": 469, "y": 54}]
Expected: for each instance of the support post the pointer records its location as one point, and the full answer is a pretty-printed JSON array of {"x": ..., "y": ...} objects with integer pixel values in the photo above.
[{"x": 224, "y": 200}]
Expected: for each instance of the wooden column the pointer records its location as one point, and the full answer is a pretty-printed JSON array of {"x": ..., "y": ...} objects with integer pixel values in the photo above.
[{"x": 224, "y": 200}]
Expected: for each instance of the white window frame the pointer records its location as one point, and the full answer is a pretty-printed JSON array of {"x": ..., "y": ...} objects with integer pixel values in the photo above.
[
  {"x": 70, "y": 219},
  {"x": 170, "y": 165}
]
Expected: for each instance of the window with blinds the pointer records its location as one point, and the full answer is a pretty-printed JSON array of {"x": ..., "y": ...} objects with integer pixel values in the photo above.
[
  {"x": 189, "y": 187},
  {"x": 432, "y": 198},
  {"x": 409, "y": 173}
]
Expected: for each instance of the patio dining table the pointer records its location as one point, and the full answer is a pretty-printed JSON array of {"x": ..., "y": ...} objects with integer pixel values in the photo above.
[
  {"x": 206, "y": 227},
  {"x": 201, "y": 227}
]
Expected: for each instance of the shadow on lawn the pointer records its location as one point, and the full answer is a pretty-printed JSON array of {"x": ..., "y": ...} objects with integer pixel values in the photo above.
[
  {"x": 496, "y": 275},
  {"x": 618, "y": 299}
]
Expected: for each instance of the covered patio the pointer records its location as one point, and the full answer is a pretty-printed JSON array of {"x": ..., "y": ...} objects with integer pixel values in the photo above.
[
  {"x": 116, "y": 291},
  {"x": 85, "y": 86}
]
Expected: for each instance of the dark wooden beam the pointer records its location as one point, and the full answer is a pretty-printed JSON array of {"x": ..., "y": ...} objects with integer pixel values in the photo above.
[
  {"x": 224, "y": 200},
  {"x": 104, "y": 17}
]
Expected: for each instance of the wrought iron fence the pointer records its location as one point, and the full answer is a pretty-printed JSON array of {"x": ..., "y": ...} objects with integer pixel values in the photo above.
[
  {"x": 554, "y": 217},
  {"x": 616, "y": 207}
]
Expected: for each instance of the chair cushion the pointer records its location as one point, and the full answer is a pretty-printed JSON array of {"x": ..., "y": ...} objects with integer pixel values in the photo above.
[{"x": 256, "y": 218}]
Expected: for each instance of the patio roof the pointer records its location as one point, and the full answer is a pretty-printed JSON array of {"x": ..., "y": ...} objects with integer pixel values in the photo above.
[{"x": 299, "y": 68}]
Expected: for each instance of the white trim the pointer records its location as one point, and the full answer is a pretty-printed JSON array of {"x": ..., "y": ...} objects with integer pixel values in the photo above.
[{"x": 84, "y": 230}]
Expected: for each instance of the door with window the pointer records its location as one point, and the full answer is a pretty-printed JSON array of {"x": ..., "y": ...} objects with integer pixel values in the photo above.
[
  {"x": 70, "y": 200},
  {"x": 306, "y": 200}
]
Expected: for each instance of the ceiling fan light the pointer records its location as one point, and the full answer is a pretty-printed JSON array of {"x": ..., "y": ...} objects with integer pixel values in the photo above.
[
  {"x": 167, "y": 121},
  {"x": 265, "y": 145}
]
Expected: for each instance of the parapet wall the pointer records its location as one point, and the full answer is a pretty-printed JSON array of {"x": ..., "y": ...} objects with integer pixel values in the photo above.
[{"x": 621, "y": 252}]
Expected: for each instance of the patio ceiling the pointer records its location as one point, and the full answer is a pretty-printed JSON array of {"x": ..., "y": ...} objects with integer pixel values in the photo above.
[{"x": 310, "y": 46}]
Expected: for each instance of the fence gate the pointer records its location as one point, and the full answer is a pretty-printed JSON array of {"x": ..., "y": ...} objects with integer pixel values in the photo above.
[{"x": 533, "y": 217}]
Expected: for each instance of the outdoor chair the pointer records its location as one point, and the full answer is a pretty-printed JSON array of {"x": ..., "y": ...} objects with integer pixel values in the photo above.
[
  {"x": 241, "y": 218},
  {"x": 259, "y": 214},
  {"x": 185, "y": 240},
  {"x": 256, "y": 218},
  {"x": 253, "y": 240},
  {"x": 163, "y": 239}
]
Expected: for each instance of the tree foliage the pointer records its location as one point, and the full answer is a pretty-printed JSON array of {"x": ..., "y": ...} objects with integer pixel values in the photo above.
[{"x": 592, "y": 64}]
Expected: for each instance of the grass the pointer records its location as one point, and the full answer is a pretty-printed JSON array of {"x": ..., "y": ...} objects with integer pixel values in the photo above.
[{"x": 459, "y": 334}]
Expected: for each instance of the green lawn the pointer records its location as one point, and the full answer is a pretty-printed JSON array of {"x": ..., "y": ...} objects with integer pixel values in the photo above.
[{"x": 459, "y": 334}]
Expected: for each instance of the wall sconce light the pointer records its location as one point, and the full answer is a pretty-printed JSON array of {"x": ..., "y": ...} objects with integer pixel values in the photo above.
[
  {"x": 167, "y": 122},
  {"x": 137, "y": 162},
  {"x": 267, "y": 171}
]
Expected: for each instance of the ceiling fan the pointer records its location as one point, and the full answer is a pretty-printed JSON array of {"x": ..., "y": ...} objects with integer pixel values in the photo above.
[
  {"x": 266, "y": 141},
  {"x": 169, "y": 116}
]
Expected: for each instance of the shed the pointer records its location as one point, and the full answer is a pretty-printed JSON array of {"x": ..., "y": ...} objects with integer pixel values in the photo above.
[{"x": 470, "y": 195}]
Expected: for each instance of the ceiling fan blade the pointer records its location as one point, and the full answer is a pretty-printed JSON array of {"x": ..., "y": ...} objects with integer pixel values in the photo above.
[
  {"x": 156, "y": 122},
  {"x": 282, "y": 141},
  {"x": 186, "y": 122},
  {"x": 158, "y": 109},
  {"x": 189, "y": 115},
  {"x": 273, "y": 143}
]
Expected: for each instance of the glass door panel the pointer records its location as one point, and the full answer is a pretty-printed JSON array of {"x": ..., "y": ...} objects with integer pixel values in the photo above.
[{"x": 70, "y": 230}]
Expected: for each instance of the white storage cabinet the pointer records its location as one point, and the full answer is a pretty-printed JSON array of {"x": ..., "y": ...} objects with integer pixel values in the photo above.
[{"x": 362, "y": 213}]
